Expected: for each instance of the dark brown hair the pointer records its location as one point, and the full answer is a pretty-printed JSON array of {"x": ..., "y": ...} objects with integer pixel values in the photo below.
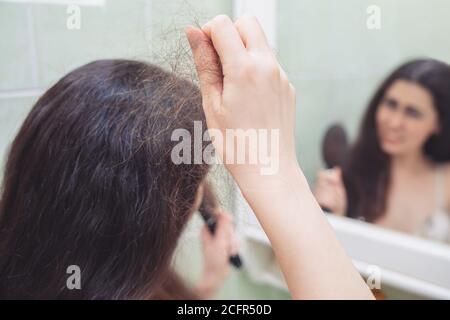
[
  {"x": 89, "y": 181},
  {"x": 367, "y": 170}
]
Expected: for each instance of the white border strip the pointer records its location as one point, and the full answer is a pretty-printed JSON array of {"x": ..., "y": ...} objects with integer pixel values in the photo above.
[{"x": 91, "y": 3}]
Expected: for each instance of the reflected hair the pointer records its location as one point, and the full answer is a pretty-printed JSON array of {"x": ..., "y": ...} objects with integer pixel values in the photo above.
[{"x": 367, "y": 169}]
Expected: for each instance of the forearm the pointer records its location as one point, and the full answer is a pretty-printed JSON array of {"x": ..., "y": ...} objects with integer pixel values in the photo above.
[
  {"x": 312, "y": 260},
  {"x": 242, "y": 87}
]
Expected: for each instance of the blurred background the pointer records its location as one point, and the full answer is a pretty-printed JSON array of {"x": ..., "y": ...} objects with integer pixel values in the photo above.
[{"x": 332, "y": 57}]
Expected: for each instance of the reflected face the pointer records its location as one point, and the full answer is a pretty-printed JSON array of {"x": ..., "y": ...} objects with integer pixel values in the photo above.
[{"x": 406, "y": 118}]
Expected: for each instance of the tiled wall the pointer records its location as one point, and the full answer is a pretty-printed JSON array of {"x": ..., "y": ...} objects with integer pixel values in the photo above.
[{"x": 36, "y": 49}]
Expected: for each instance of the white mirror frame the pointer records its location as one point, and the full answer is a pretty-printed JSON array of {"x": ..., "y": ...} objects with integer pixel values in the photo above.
[{"x": 411, "y": 264}]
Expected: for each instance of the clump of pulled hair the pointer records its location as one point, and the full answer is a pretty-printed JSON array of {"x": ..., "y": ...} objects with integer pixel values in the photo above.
[{"x": 89, "y": 182}]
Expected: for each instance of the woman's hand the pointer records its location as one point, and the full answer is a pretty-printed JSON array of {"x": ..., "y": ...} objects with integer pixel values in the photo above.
[
  {"x": 330, "y": 191},
  {"x": 246, "y": 90},
  {"x": 217, "y": 250}
]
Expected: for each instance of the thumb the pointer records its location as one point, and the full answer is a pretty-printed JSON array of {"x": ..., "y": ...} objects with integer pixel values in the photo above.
[
  {"x": 337, "y": 176},
  {"x": 208, "y": 67},
  {"x": 339, "y": 173}
]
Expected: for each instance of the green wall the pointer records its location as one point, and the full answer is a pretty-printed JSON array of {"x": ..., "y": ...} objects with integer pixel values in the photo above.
[{"x": 336, "y": 62}]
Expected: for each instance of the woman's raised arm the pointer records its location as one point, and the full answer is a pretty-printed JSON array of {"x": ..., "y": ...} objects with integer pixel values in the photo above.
[{"x": 243, "y": 87}]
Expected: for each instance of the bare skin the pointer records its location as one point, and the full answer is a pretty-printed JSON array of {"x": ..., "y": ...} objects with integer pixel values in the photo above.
[
  {"x": 217, "y": 249},
  {"x": 405, "y": 119},
  {"x": 248, "y": 89}
]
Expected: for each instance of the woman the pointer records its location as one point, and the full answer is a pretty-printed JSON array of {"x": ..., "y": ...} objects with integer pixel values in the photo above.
[
  {"x": 89, "y": 182},
  {"x": 397, "y": 174},
  {"x": 92, "y": 182}
]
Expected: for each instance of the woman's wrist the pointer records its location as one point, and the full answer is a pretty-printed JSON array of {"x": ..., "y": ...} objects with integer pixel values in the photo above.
[{"x": 289, "y": 175}]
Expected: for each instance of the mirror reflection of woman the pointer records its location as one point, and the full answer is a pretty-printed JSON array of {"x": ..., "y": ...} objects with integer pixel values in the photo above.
[{"x": 397, "y": 174}]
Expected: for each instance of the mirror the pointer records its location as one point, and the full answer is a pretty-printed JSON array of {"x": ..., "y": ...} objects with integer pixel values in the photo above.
[{"x": 373, "y": 100}]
